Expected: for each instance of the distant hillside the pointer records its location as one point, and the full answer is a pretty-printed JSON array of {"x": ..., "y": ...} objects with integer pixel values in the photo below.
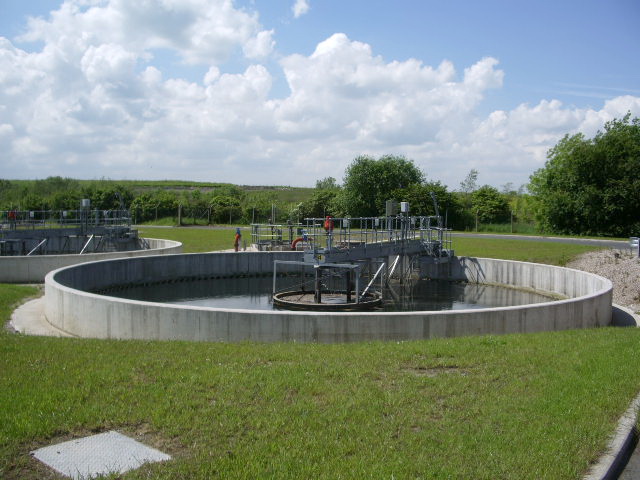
[{"x": 16, "y": 190}]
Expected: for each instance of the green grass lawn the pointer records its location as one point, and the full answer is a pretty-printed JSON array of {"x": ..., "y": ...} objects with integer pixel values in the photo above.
[
  {"x": 208, "y": 239},
  {"x": 518, "y": 406},
  {"x": 196, "y": 240},
  {"x": 522, "y": 250},
  {"x": 536, "y": 406}
]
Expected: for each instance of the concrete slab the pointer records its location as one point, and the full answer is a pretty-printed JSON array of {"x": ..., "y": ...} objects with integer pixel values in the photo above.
[
  {"x": 105, "y": 453},
  {"x": 29, "y": 319}
]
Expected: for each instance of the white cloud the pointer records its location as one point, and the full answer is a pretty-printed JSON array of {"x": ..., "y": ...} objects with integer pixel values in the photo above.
[
  {"x": 108, "y": 63},
  {"x": 300, "y": 8},
  {"x": 260, "y": 46},
  {"x": 201, "y": 31},
  {"x": 93, "y": 103},
  {"x": 211, "y": 76}
]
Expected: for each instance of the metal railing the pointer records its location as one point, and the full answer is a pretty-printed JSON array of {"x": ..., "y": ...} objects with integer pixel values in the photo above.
[
  {"x": 347, "y": 233},
  {"x": 36, "y": 219},
  {"x": 343, "y": 234},
  {"x": 267, "y": 236}
]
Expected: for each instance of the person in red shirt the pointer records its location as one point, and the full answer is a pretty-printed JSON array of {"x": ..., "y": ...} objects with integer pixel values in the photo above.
[
  {"x": 12, "y": 219},
  {"x": 238, "y": 237},
  {"x": 328, "y": 227},
  {"x": 328, "y": 224}
]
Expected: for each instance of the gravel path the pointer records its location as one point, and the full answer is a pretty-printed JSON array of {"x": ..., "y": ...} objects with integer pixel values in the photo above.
[{"x": 619, "y": 266}]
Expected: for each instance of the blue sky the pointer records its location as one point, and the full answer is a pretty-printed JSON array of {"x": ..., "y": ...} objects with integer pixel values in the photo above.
[
  {"x": 570, "y": 50},
  {"x": 251, "y": 93}
]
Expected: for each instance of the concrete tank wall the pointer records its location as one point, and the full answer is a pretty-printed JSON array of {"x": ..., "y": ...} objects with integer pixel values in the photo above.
[
  {"x": 90, "y": 315},
  {"x": 33, "y": 269}
]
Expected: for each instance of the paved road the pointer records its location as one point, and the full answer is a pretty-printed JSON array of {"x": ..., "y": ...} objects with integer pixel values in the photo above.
[{"x": 632, "y": 468}]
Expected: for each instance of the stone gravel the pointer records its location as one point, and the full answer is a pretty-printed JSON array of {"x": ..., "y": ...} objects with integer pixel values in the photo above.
[{"x": 619, "y": 266}]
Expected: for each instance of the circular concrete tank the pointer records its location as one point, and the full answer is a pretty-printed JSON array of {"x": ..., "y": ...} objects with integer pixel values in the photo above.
[
  {"x": 33, "y": 269},
  {"x": 71, "y": 307}
]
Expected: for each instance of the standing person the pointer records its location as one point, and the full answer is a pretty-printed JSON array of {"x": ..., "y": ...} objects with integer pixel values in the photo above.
[
  {"x": 236, "y": 242},
  {"x": 328, "y": 227},
  {"x": 12, "y": 219}
]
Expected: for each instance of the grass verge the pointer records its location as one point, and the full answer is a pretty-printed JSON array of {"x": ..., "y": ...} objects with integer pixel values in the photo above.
[
  {"x": 552, "y": 253},
  {"x": 208, "y": 239},
  {"x": 11, "y": 296},
  {"x": 196, "y": 240},
  {"x": 516, "y": 406}
]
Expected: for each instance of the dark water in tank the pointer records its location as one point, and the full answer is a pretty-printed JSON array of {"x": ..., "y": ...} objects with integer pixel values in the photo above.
[{"x": 254, "y": 293}]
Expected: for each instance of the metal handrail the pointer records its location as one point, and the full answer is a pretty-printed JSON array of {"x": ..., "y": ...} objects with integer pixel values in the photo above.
[{"x": 32, "y": 219}]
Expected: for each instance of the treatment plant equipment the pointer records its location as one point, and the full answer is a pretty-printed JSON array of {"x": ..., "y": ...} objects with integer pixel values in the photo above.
[
  {"x": 218, "y": 296},
  {"x": 340, "y": 255},
  {"x": 32, "y": 243},
  {"x": 57, "y": 232}
]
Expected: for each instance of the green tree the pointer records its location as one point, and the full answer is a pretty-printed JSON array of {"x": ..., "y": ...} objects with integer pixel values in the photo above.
[
  {"x": 368, "y": 183},
  {"x": 321, "y": 203},
  {"x": 258, "y": 207},
  {"x": 522, "y": 205},
  {"x": 160, "y": 203},
  {"x": 53, "y": 185},
  {"x": 225, "y": 209},
  {"x": 421, "y": 203},
  {"x": 467, "y": 187},
  {"x": 65, "y": 200},
  {"x": 592, "y": 186},
  {"x": 5, "y": 187},
  {"x": 490, "y": 205},
  {"x": 107, "y": 196},
  {"x": 470, "y": 182},
  {"x": 8, "y": 195},
  {"x": 31, "y": 201},
  {"x": 328, "y": 183}
]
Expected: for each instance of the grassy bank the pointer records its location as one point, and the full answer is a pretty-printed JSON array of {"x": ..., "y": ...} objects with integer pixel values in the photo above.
[
  {"x": 208, "y": 239},
  {"x": 518, "y": 406},
  {"x": 522, "y": 250},
  {"x": 196, "y": 240}
]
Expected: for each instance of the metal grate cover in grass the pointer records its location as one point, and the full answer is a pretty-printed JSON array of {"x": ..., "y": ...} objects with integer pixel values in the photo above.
[{"x": 105, "y": 453}]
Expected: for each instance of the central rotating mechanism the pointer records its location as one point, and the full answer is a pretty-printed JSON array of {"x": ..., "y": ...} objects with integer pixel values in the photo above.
[{"x": 347, "y": 261}]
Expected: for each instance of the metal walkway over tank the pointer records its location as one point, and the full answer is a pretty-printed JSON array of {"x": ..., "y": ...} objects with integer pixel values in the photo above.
[
  {"x": 331, "y": 240},
  {"x": 353, "y": 249},
  {"x": 56, "y": 232}
]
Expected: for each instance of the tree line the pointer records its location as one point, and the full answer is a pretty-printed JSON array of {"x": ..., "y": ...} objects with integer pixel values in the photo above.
[
  {"x": 592, "y": 186},
  {"x": 370, "y": 182},
  {"x": 397, "y": 178},
  {"x": 587, "y": 186},
  {"x": 223, "y": 203}
]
